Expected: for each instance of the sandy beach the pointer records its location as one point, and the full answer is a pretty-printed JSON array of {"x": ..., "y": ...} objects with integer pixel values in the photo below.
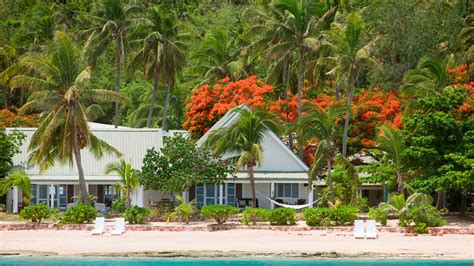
[{"x": 236, "y": 243}]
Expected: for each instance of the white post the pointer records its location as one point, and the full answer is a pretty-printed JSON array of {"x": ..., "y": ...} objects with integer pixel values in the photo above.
[
  {"x": 310, "y": 195},
  {"x": 140, "y": 200},
  {"x": 185, "y": 196},
  {"x": 52, "y": 193},
  {"x": 272, "y": 192},
  {"x": 15, "y": 200},
  {"x": 221, "y": 194}
]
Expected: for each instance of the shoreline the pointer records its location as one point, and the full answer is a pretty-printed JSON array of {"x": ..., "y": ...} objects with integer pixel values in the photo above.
[{"x": 230, "y": 255}]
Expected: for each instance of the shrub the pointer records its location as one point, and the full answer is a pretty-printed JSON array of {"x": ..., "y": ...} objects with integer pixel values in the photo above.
[
  {"x": 136, "y": 215},
  {"x": 343, "y": 214},
  {"x": 379, "y": 215},
  {"x": 184, "y": 211},
  {"x": 79, "y": 214},
  {"x": 220, "y": 213},
  {"x": 3, "y": 208},
  {"x": 37, "y": 212},
  {"x": 420, "y": 216},
  {"x": 282, "y": 216},
  {"x": 317, "y": 216},
  {"x": 362, "y": 203},
  {"x": 118, "y": 205},
  {"x": 254, "y": 215}
]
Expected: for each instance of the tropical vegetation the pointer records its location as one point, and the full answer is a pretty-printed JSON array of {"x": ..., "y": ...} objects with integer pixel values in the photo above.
[{"x": 393, "y": 80}]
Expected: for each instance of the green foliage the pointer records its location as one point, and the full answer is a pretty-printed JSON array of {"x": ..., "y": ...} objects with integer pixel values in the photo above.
[
  {"x": 129, "y": 177},
  {"x": 18, "y": 178},
  {"x": 317, "y": 216},
  {"x": 378, "y": 214},
  {"x": 338, "y": 215},
  {"x": 136, "y": 215},
  {"x": 254, "y": 215},
  {"x": 79, "y": 214},
  {"x": 431, "y": 134},
  {"x": 343, "y": 214},
  {"x": 220, "y": 213},
  {"x": 421, "y": 216},
  {"x": 183, "y": 212},
  {"x": 9, "y": 146},
  {"x": 118, "y": 205},
  {"x": 282, "y": 216},
  {"x": 36, "y": 213},
  {"x": 181, "y": 164}
]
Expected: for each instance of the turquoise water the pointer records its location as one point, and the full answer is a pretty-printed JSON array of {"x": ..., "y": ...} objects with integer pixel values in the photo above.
[{"x": 99, "y": 261}]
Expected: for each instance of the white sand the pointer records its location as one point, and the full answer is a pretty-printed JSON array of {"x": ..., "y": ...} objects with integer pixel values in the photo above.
[{"x": 254, "y": 241}]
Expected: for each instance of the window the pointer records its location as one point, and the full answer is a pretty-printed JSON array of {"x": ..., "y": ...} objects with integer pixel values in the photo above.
[
  {"x": 287, "y": 190},
  {"x": 231, "y": 194}
]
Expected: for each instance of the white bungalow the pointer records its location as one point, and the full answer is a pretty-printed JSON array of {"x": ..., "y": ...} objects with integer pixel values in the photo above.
[
  {"x": 57, "y": 186},
  {"x": 282, "y": 175}
]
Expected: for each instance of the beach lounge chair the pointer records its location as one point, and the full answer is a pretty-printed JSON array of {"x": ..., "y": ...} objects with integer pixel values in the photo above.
[
  {"x": 119, "y": 228},
  {"x": 99, "y": 226},
  {"x": 359, "y": 229},
  {"x": 370, "y": 229}
]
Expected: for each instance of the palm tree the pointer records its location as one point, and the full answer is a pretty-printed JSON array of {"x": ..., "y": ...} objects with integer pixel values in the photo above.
[
  {"x": 244, "y": 139},
  {"x": 8, "y": 69},
  {"x": 58, "y": 90},
  {"x": 162, "y": 54},
  {"x": 129, "y": 178},
  {"x": 219, "y": 56},
  {"x": 351, "y": 53},
  {"x": 114, "y": 21},
  {"x": 322, "y": 126},
  {"x": 296, "y": 27},
  {"x": 390, "y": 140},
  {"x": 397, "y": 203},
  {"x": 429, "y": 77},
  {"x": 17, "y": 178}
]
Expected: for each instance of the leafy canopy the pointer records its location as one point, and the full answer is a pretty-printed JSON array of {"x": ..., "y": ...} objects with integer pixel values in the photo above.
[{"x": 179, "y": 165}]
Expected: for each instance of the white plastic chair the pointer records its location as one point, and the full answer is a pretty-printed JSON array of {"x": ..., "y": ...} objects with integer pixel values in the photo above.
[
  {"x": 99, "y": 226},
  {"x": 359, "y": 229},
  {"x": 119, "y": 227},
  {"x": 370, "y": 229}
]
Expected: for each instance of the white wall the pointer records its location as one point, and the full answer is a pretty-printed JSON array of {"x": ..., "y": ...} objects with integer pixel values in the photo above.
[{"x": 260, "y": 187}]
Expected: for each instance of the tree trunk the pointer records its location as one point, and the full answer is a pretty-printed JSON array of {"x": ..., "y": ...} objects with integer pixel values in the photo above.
[
  {"x": 440, "y": 200},
  {"x": 166, "y": 105},
  {"x": 300, "y": 92},
  {"x": 284, "y": 81},
  {"x": 350, "y": 91},
  {"x": 462, "y": 208},
  {"x": 329, "y": 179},
  {"x": 22, "y": 97},
  {"x": 128, "y": 200},
  {"x": 153, "y": 97},
  {"x": 77, "y": 156},
  {"x": 338, "y": 92},
  {"x": 5, "y": 99},
  {"x": 252, "y": 184},
  {"x": 400, "y": 186},
  {"x": 118, "y": 78}
]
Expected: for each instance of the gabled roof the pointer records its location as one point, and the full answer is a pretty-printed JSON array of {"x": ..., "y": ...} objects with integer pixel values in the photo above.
[{"x": 277, "y": 157}]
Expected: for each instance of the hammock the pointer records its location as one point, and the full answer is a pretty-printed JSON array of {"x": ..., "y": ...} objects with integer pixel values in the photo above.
[{"x": 296, "y": 207}]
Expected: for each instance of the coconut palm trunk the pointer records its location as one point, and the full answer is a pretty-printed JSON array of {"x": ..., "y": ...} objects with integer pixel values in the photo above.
[
  {"x": 118, "y": 43},
  {"x": 77, "y": 155},
  {"x": 252, "y": 183},
  {"x": 153, "y": 97},
  {"x": 5, "y": 99},
  {"x": 329, "y": 175},
  {"x": 167, "y": 103},
  {"x": 347, "y": 118},
  {"x": 284, "y": 76},
  {"x": 300, "y": 92},
  {"x": 400, "y": 186}
]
